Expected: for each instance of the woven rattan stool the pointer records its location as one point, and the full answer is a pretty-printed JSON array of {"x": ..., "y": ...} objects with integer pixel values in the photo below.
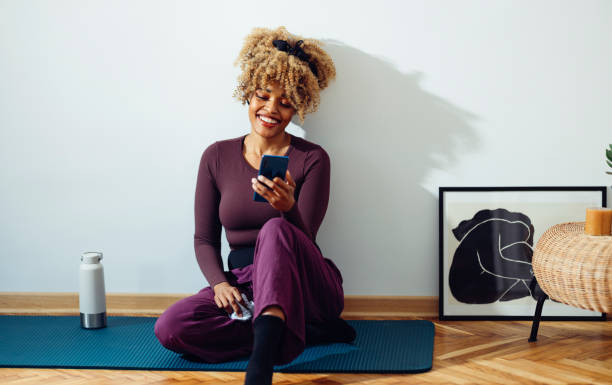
[{"x": 573, "y": 268}]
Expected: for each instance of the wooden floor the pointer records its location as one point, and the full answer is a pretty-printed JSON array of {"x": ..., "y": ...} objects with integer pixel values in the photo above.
[{"x": 465, "y": 353}]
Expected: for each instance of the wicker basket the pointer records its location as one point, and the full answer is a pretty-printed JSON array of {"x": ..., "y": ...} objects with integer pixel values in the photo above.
[{"x": 575, "y": 268}]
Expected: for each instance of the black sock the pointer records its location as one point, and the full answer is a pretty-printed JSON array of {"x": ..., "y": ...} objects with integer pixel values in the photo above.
[
  {"x": 337, "y": 330},
  {"x": 268, "y": 331}
]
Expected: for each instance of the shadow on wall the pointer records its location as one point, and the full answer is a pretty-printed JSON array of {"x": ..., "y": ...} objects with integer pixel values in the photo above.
[{"x": 384, "y": 133}]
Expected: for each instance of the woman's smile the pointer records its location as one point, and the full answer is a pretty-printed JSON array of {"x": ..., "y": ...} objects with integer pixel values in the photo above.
[{"x": 267, "y": 121}]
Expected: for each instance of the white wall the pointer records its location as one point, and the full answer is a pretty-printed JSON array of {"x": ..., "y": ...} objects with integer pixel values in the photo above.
[{"x": 106, "y": 107}]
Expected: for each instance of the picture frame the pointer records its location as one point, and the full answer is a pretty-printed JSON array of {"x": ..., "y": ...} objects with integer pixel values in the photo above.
[{"x": 483, "y": 220}]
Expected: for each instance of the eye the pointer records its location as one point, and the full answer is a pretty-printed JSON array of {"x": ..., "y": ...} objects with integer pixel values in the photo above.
[
  {"x": 261, "y": 97},
  {"x": 286, "y": 103}
]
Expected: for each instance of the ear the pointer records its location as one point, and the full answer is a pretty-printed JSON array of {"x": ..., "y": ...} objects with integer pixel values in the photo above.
[{"x": 250, "y": 97}]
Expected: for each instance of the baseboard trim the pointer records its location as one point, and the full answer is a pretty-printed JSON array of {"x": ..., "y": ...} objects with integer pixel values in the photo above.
[
  {"x": 152, "y": 305},
  {"x": 361, "y": 306}
]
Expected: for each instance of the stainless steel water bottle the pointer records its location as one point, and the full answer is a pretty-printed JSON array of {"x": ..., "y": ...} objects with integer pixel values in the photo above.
[{"x": 92, "y": 296}]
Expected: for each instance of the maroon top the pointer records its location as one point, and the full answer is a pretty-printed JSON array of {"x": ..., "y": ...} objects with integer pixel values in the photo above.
[{"x": 224, "y": 197}]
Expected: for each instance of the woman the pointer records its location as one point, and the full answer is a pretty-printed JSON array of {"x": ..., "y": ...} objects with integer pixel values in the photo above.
[{"x": 274, "y": 262}]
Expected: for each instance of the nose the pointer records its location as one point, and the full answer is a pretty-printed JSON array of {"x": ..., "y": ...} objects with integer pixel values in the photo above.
[{"x": 272, "y": 105}]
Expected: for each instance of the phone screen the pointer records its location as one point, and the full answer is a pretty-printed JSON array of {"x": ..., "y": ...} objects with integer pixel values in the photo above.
[{"x": 271, "y": 166}]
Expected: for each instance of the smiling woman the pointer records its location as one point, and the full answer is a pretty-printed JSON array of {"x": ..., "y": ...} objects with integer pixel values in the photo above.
[{"x": 280, "y": 292}]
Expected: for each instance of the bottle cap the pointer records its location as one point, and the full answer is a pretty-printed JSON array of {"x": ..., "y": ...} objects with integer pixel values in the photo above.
[{"x": 91, "y": 257}]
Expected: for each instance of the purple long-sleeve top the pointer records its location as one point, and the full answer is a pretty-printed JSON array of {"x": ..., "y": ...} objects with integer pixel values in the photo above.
[{"x": 224, "y": 197}]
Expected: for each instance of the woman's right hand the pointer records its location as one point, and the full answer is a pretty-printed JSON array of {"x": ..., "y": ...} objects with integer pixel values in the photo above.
[{"x": 227, "y": 297}]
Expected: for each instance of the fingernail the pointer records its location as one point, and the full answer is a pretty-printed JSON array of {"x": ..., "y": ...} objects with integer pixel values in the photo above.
[
  {"x": 260, "y": 177},
  {"x": 253, "y": 180}
]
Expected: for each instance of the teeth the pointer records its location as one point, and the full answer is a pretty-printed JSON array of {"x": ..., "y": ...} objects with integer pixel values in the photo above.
[{"x": 268, "y": 120}]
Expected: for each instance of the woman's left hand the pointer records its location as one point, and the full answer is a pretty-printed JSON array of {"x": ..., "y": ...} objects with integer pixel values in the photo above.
[{"x": 280, "y": 192}]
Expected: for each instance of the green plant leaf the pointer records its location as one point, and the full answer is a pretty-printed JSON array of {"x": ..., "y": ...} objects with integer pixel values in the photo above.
[
  {"x": 609, "y": 163},
  {"x": 609, "y": 154}
]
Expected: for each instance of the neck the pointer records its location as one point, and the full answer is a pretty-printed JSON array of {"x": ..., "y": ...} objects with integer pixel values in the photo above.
[{"x": 260, "y": 145}]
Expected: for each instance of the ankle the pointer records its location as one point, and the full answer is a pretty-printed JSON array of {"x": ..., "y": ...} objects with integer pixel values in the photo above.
[{"x": 275, "y": 311}]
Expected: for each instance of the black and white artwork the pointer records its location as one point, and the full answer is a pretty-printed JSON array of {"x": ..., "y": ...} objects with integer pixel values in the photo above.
[
  {"x": 487, "y": 240},
  {"x": 493, "y": 260}
]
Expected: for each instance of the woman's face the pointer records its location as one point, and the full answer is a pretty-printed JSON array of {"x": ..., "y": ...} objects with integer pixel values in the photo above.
[{"x": 270, "y": 110}]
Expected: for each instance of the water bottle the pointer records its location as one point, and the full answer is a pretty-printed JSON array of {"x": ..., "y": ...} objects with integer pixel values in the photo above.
[{"x": 92, "y": 297}]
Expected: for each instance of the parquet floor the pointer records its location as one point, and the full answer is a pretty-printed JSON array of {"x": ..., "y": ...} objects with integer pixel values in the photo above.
[{"x": 465, "y": 352}]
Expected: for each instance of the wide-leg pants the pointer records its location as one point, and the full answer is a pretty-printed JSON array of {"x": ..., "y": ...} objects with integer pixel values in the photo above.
[{"x": 288, "y": 271}]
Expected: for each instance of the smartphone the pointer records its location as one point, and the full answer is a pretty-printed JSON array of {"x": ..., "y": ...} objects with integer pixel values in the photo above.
[{"x": 271, "y": 166}]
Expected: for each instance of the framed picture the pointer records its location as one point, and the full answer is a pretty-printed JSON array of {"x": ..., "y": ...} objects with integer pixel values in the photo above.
[{"x": 481, "y": 227}]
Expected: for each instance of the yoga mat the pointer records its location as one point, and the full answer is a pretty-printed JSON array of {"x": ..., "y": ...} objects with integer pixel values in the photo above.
[{"x": 130, "y": 343}]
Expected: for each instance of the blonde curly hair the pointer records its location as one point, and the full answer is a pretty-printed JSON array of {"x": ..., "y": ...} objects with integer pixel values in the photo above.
[{"x": 261, "y": 62}]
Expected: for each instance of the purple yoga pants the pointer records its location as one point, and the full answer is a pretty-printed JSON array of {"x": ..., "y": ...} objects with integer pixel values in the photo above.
[{"x": 288, "y": 270}]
